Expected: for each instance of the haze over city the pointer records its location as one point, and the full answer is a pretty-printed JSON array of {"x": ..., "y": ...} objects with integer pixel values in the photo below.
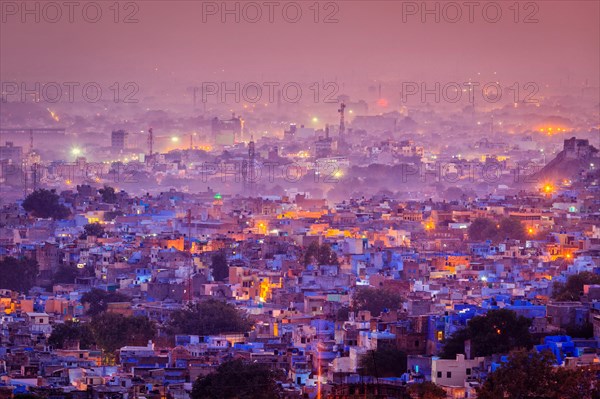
[{"x": 299, "y": 199}]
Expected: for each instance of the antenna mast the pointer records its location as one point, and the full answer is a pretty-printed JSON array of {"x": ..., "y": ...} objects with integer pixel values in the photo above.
[
  {"x": 150, "y": 141},
  {"x": 342, "y": 123}
]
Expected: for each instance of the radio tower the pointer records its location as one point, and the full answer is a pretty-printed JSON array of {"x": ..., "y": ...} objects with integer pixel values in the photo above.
[
  {"x": 244, "y": 176},
  {"x": 251, "y": 165},
  {"x": 342, "y": 124},
  {"x": 150, "y": 141},
  {"x": 24, "y": 168},
  {"x": 34, "y": 175},
  {"x": 190, "y": 297},
  {"x": 30, "y": 141}
]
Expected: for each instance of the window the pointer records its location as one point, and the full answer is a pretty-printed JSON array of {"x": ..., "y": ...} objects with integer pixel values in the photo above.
[
  {"x": 448, "y": 374},
  {"x": 468, "y": 371},
  {"x": 417, "y": 343},
  {"x": 439, "y": 374}
]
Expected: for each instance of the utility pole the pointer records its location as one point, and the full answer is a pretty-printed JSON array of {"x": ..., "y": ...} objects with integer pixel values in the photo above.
[{"x": 191, "y": 265}]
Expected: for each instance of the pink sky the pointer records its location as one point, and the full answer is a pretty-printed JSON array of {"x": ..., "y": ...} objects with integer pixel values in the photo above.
[{"x": 171, "y": 44}]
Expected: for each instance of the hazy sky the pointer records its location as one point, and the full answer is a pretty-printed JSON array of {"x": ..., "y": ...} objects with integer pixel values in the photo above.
[{"x": 170, "y": 43}]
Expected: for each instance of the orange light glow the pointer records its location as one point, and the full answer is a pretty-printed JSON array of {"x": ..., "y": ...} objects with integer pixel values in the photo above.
[
  {"x": 264, "y": 290},
  {"x": 550, "y": 130},
  {"x": 382, "y": 102},
  {"x": 53, "y": 115}
]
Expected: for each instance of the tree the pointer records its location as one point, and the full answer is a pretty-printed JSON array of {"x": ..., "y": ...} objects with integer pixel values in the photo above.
[
  {"x": 326, "y": 256},
  {"x": 511, "y": 228},
  {"x": 68, "y": 332},
  {"x": 573, "y": 288},
  {"x": 578, "y": 383},
  {"x": 311, "y": 253},
  {"x": 98, "y": 300},
  {"x": 342, "y": 314},
  {"x": 481, "y": 229},
  {"x": 375, "y": 300},
  {"x": 65, "y": 274},
  {"x": 453, "y": 193},
  {"x": 531, "y": 375},
  {"x": 320, "y": 255},
  {"x": 108, "y": 195},
  {"x": 92, "y": 229},
  {"x": 383, "y": 363},
  {"x": 220, "y": 269},
  {"x": 426, "y": 390},
  {"x": 140, "y": 330},
  {"x": 45, "y": 204},
  {"x": 584, "y": 330},
  {"x": 112, "y": 331},
  {"x": 455, "y": 344},
  {"x": 498, "y": 331},
  {"x": 18, "y": 274},
  {"x": 237, "y": 380},
  {"x": 207, "y": 318}
]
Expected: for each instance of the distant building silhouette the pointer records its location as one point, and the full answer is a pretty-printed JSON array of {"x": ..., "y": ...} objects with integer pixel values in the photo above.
[{"x": 118, "y": 139}]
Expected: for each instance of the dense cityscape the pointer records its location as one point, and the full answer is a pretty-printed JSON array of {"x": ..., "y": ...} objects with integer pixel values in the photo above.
[{"x": 319, "y": 228}]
